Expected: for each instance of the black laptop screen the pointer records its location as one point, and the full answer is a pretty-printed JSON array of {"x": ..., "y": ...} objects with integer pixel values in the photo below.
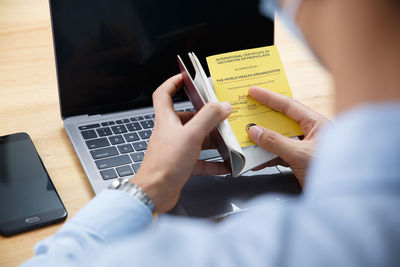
[{"x": 112, "y": 54}]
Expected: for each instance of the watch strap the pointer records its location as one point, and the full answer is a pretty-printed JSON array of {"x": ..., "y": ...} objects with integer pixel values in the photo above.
[{"x": 134, "y": 190}]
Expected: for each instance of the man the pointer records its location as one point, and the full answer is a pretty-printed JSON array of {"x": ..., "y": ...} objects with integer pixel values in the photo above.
[{"x": 348, "y": 214}]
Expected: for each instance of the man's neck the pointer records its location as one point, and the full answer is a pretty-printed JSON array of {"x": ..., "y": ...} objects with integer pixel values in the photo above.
[
  {"x": 370, "y": 69},
  {"x": 360, "y": 45}
]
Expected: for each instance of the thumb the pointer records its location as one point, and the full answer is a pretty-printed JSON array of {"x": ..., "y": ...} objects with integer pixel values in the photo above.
[
  {"x": 209, "y": 116},
  {"x": 272, "y": 141}
]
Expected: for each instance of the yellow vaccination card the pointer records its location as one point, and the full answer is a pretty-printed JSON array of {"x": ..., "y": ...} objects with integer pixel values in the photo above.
[{"x": 234, "y": 73}]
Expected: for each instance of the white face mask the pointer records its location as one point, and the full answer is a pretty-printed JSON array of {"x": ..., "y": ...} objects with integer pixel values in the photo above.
[{"x": 287, "y": 13}]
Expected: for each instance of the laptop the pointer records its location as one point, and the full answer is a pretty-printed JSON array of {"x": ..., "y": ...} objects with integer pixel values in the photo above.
[{"x": 112, "y": 55}]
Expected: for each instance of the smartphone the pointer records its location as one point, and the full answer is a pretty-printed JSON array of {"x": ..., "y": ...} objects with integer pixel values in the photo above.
[{"x": 28, "y": 198}]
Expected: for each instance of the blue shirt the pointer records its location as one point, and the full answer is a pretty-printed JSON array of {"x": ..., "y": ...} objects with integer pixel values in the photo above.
[{"x": 348, "y": 215}]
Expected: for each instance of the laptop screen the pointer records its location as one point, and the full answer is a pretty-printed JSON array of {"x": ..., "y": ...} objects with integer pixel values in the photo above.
[{"x": 112, "y": 54}]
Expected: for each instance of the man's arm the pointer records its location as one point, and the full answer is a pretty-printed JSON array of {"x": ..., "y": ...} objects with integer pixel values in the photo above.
[
  {"x": 350, "y": 217},
  {"x": 115, "y": 215},
  {"x": 115, "y": 229},
  {"x": 110, "y": 217}
]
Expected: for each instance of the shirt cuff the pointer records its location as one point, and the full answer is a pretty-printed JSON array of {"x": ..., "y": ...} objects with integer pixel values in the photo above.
[{"x": 113, "y": 214}]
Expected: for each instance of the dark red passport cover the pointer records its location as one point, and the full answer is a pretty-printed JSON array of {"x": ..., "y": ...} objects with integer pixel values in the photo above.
[{"x": 197, "y": 102}]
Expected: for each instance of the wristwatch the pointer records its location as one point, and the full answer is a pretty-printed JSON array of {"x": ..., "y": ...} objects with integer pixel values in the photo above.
[{"x": 134, "y": 190}]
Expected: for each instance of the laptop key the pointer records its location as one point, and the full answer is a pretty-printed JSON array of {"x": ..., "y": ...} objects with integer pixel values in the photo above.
[
  {"x": 145, "y": 134},
  {"x": 125, "y": 148},
  {"x": 116, "y": 139},
  {"x": 97, "y": 143},
  {"x": 88, "y": 134},
  {"x": 104, "y": 152},
  {"x": 131, "y": 137},
  {"x": 138, "y": 118},
  {"x": 108, "y": 174},
  {"x": 90, "y": 126},
  {"x": 113, "y": 162},
  {"x": 107, "y": 123},
  {"x": 124, "y": 171},
  {"x": 147, "y": 124},
  {"x": 119, "y": 129},
  {"x": 150, "y": 116},
  {"x": 136, "y": 157},
  {"x": 122, "y": 121},
  {"x": 136, "y": 166},
  {"x": 104, "y": 131},
  {"x": 139, "y": 146},
  {"x": 135, "y": 126}
]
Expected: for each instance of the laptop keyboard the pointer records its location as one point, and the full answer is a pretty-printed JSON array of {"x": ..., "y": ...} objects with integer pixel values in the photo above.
[{"x": 118, "y": 147}]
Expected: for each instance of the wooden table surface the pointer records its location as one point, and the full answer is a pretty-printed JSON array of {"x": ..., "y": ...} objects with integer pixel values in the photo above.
[{"x": 29, "y": 103}]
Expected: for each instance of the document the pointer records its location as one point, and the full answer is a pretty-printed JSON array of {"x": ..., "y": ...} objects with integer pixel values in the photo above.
[{"x": 234, "y": 73}]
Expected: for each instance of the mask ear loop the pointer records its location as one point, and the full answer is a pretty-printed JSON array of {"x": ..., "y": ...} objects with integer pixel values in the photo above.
[{"x": 291, "y": 7}]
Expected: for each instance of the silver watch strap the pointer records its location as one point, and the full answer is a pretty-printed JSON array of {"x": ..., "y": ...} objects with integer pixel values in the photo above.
[{"x": 134, "y": 190}]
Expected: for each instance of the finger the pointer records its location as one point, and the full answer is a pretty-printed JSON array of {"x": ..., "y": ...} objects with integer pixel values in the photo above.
[
  {"x": 284, "y": 104},
  {"x": 208, "y": 117},
  {"x": 272, "y": 141},
  {"x": 162, "y": 97},
  {"x": 209, "y": 168}
]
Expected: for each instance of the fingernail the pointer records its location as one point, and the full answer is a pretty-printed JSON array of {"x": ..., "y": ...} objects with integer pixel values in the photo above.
[
  {"x": 226, "y": 105},
  {"x": 255, "y": 132}
]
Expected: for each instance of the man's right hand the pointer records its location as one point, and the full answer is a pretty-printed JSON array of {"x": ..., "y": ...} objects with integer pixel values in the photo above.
[{"x": 296, "y": 153}]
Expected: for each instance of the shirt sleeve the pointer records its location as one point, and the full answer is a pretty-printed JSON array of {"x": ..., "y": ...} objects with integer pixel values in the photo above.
[{"x": 109, "y": 217}]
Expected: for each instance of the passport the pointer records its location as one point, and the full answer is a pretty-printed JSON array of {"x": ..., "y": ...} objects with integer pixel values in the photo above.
[{"x": 232, "y": 74}]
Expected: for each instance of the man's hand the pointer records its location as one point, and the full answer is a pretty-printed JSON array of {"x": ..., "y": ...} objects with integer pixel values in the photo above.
[
  {"x": 295, "y": 153},
  {"x": 174, "y": 147}
]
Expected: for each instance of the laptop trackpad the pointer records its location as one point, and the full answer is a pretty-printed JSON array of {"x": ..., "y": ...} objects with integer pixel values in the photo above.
[{"x": 217, "y": 196}]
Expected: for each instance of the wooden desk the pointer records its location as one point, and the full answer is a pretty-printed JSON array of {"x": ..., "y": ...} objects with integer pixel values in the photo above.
[{"x": 29, "y": 103}]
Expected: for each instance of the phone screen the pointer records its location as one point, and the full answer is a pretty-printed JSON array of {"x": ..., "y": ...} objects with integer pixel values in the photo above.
[{"x": 27, "y": 195}]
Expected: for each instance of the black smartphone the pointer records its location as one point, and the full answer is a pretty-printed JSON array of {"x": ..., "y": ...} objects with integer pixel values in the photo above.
[{"x": 28, "y": 198}]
